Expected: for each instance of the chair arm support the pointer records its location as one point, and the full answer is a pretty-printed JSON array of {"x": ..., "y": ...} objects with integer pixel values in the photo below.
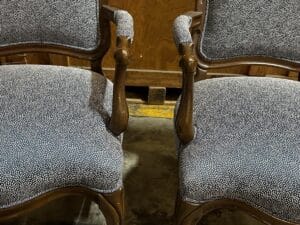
[
  {"x": 183, "y": 28},
  {"x": 120, "y": 114},
  {"x": 184, "y": 25},
  {"x": 184, "y": 117},
  {"x": 125, "y": 33},
  {"x": 122, "y": 19}
]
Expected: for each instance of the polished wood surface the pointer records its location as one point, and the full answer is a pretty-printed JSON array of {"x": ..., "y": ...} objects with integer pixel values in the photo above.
[
  {"x": 119, "y": 118},
  {"x": 111, "y": 204},
  {"x": 184, "y": 117},
  {"x": 154, "y": 47},
  {"x": 191, "y": 213},
  {"x": 153, "y": 61}
]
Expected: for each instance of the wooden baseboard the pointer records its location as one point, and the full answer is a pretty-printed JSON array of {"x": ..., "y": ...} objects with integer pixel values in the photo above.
[{"x": 149, "y": 78}]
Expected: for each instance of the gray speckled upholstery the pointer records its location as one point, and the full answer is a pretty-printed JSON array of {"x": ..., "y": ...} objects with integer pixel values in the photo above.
[
  {"x": 242, "y": 28},
  {"x": 53, "y": 132},
  {"x": 70, "y": 23},
  {"x": 181, "y": 30},
  {"x": 124, "y": 23},
  {"x": 247, "y": 145}
]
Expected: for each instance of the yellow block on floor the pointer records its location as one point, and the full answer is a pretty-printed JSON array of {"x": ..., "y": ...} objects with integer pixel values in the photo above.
[{"x": 158, "y": 111}]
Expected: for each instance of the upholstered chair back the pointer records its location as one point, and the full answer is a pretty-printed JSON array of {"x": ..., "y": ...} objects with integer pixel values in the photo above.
[
  {"x": 70, "y": 23},
  {"x": 236, "y": 28}
]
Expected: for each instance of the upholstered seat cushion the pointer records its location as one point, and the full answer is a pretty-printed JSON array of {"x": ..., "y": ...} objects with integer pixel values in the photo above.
[
  {"x": 53, "y": 132},
  {"x": 249, "y": 28},
  {"x": 247, "y": 145}
]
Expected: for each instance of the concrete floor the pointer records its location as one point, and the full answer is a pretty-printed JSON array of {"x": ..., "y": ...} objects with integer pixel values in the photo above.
[{"x": 150, "y": 180}]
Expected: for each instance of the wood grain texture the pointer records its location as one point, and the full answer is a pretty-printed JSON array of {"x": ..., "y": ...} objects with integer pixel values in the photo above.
[
  {"x": 14, "y": 59},
  {"x": 153, "y": 58},
  {"x": 154, "y": 47}
]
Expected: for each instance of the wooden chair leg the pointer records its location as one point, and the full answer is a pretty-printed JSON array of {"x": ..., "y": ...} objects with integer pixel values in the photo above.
[
  {"x": 191, "y": 214},
  {"x": 112, "y": 207},
  {"x": 185, "y": 213},
  {"x": 111, "y": 204}
]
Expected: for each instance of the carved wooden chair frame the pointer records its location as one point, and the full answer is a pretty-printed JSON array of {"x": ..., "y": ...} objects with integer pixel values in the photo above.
[
  {"x": 111, "y": 204},
  {"x": 194, "y": 68}
]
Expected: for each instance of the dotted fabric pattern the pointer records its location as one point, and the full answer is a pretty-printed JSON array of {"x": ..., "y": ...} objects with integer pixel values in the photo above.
[
  {"x": 69, "y": 23},
  {"x": 247, "y": 145},
  {"x": 181, "y": 30},
  {"x": 124, "y": 22},
  {"x": 236, "y": 28},
  {"x": 53, "y": 132}
]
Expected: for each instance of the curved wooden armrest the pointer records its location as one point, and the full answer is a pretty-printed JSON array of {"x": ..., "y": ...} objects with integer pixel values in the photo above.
[{"x": 109, "y": 12}]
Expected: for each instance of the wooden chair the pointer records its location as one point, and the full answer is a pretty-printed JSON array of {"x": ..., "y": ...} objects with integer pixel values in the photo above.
[
  {"x": 239, "y": 136},
  {"x": 61, "y": 128}
]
